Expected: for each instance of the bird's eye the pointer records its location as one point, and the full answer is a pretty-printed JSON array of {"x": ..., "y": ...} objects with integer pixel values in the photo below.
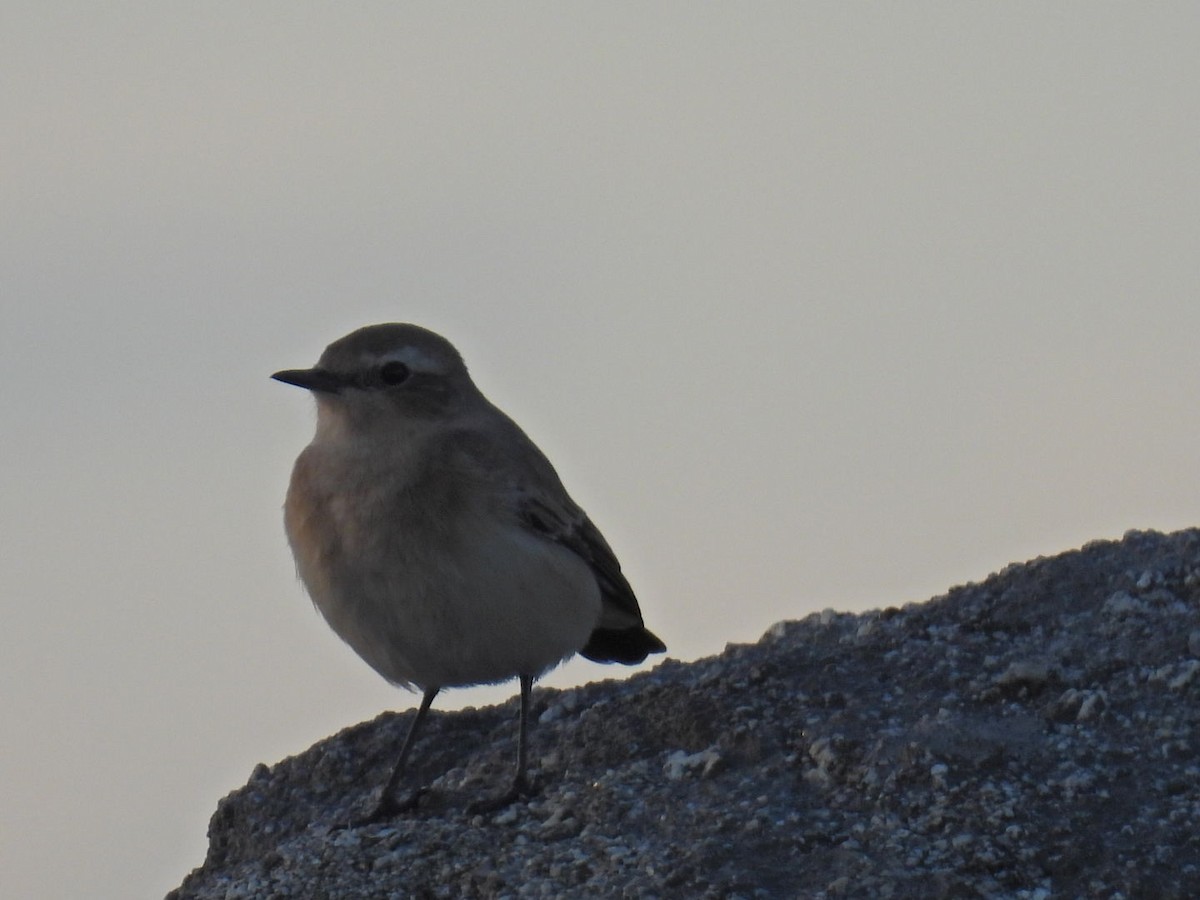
[{"x": 393, "y": 373}]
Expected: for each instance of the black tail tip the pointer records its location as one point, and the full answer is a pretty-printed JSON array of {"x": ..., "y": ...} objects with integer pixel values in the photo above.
[{"x": 628, "y": 646}]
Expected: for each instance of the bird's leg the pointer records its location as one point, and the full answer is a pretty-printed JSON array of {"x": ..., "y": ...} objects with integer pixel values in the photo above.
[
  {"x": 387, "y": 806},
  {"x": 521, "y": 786}
]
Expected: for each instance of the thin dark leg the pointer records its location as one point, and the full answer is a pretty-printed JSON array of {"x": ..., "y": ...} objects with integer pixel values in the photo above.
[
  {"x": 388, "y": 806},
  {"x": 520, "y": 784}
]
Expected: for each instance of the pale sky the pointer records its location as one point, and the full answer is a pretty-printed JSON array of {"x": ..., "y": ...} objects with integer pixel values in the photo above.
[{"x": 812, "y": 305}]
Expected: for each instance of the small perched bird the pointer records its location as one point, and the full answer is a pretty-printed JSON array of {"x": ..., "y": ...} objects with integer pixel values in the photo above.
[{"x": 437, "y": 540}]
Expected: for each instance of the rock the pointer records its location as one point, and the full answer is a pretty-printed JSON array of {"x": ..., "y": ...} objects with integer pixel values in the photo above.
[
  {"x": 679, "y": 763},
  {"x": 1032, "y": 735}
]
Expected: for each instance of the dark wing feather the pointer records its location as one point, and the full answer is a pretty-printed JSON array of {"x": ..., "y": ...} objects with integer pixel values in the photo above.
[
  {"x": 478, "y": 452},
  {"x": 620, "y": 637},
  {"x": 582, "y": 538}
]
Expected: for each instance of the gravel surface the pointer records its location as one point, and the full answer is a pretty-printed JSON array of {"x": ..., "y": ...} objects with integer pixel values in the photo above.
[{"x": 1032, "y": 736}]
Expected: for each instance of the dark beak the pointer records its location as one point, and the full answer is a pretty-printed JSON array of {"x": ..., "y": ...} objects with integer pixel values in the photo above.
[{"x": 318, "y": 380}]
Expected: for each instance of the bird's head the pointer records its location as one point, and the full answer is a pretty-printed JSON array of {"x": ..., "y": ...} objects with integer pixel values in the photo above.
[{"x": 382, "y": 376}]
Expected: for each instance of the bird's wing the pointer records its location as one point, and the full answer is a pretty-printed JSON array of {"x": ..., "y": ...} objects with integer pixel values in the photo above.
[
  {"x": 568, "y": 526},
  {"x": 525, "y": 486}
]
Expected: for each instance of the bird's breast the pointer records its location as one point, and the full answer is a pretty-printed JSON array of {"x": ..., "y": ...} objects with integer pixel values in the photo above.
[{"x": 430, "y": 588}]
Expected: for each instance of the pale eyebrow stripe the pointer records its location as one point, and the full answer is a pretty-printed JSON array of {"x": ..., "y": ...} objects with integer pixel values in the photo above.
[{"x": 413, "y": 358}]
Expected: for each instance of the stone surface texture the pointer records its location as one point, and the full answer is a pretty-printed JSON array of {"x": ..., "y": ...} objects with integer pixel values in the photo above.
[{"x": 1035, "y": 735}]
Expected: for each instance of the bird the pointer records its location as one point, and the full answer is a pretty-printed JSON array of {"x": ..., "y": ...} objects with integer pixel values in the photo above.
[{"x": 438, "y": 541}]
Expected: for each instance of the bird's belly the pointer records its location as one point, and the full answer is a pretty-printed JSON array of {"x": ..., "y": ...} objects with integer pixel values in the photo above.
[{"x": 506, "y": 603}]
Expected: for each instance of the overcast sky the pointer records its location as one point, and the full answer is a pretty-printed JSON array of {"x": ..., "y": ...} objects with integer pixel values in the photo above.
[{"x": 812, "y": 305}]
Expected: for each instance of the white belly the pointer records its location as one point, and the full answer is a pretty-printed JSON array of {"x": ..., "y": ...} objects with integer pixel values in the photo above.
[{"x": 506, "y": 603}]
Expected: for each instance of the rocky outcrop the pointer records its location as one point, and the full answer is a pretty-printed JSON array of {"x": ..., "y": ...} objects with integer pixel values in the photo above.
[{"x": 1033, "y": 735}]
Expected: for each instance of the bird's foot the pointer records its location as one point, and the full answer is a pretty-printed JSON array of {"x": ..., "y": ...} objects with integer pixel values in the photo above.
[
  {"x": 521, "y": 789},
  {"x": 388, "y": 807}
]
